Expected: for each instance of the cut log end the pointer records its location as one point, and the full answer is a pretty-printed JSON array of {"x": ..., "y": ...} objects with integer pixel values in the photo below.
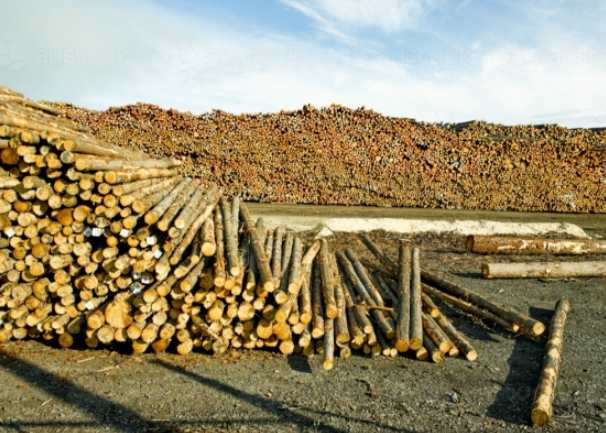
[
  {"x": 268, "y": 286},
  {"x": 332, "y": 313},
  {"x": 538, "y": 328},
  {"x": 328, "y": 364},
  {"x": 540, "y": 417},
  {"x": 402, "y": 346},
  {"x": 472, "y": 355},
  {"x": 416, "y": 343},
  {"x": 234, "y": 271},
  {"x": 208, "y": 249},
  {"x": 469, "y": 243}
]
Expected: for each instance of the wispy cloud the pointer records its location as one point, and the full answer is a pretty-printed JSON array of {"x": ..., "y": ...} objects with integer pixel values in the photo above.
[{"x": 337, "y": 16}]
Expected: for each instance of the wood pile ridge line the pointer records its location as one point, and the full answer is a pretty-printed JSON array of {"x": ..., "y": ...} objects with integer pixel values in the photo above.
[{"x": 336, "y": 155}]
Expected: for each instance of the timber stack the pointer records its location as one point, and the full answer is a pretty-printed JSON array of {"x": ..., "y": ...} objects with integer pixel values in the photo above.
[
  {"x": 107, "y": 245},
  {"x": 360, "y": 157}
]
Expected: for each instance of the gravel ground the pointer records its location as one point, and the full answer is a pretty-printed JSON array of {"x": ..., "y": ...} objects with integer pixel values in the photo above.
[{"x": 49, "y": 389}]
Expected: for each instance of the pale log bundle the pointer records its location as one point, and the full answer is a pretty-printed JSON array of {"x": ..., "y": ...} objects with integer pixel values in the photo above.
[
  {"x": 544, "y": 270},
  {"x": 512, "y": 245},
  {"x": 542, "y": 406},
  {"x": 104, "y": 245}
]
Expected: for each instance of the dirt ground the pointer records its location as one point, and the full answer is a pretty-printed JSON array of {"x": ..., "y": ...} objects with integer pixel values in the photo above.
[{"x": 78, "y": 390}]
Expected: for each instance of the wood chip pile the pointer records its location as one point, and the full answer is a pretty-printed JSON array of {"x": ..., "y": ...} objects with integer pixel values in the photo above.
[{"x": 337, "y": 155}]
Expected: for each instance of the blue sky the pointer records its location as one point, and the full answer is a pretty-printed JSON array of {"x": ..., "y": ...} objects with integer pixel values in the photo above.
[{"x": 504, "y": 61}]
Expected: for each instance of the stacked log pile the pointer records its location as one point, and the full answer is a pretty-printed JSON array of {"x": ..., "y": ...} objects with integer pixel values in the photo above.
[
  {"x": 108, "y": 245},
  {"x": 337, "y": 155}
]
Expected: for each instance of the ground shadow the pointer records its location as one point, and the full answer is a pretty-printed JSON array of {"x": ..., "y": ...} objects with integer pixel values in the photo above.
[
  {"x": 299, "y": 363},
  {"x": 274, "y": 407},
  {"x": 472, "y": 275},
  {"x": 106, "y": 412},
  {"x": 513, "y": 401}
]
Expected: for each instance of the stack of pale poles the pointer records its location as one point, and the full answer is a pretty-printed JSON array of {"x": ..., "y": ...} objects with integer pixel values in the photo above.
[
  {"x": 107, "y": 245},
  {"x": 111, "y": 245}
]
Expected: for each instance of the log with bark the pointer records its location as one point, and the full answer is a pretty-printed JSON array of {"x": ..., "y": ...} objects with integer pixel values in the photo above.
[
  {"x": 514, "y": 245},
  {"x": 542, "y": 405},
  {"x": 544, "y": 270},
  {"x": 526, "y": 323}
]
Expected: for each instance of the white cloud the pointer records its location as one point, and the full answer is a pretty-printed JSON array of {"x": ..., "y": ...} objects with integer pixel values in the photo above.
[
  {"x": 163, "y": 57},
  {"x": 336, "y": 16}
]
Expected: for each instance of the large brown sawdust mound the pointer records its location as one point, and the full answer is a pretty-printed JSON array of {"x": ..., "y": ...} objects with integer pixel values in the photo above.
[{"x": 337, "y": 155}]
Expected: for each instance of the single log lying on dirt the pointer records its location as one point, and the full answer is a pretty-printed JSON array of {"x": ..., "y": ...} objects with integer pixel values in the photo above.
[
  {"x": 542, "y": 409},
  {"x": 513, "y": 245},
  {"x": 544, "y": 270},
  {"x": 530, "y": 325}
]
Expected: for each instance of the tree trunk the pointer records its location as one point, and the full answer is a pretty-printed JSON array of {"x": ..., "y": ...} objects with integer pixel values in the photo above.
[
  {"x": 544, "y": 270},
  {"x": 328, "y": 288},
  {"x": 416, "y": 306},
  {"x": 513, "y": 245},
  {"x": 259, "y": 253},
  {"x": 380, "y": 255},
  {"x": 542, "y": 409},
  {"x": 403, "y": 319}
]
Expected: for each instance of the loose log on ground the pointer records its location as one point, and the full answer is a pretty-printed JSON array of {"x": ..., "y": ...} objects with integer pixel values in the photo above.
[
  {"x": 542, "y": 406},
  {"x": 365, "y": 278},
  {"x": 513, "y": 245},
  {"x": 429, "y": 306},
  {"x": 544, "y": 270},
  {"x": 469, "y": 308},
  {"x": 435, "y": 333},
  {"x": 530, "y": 325},
  {"x": 455, "y": 336},
  {"x": 433, "y": 350}
]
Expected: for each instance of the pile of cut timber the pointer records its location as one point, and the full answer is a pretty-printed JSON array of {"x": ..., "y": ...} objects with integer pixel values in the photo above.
[
  {"x": 336, "y": 155},
  {"x": 108, "y": 245}
]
